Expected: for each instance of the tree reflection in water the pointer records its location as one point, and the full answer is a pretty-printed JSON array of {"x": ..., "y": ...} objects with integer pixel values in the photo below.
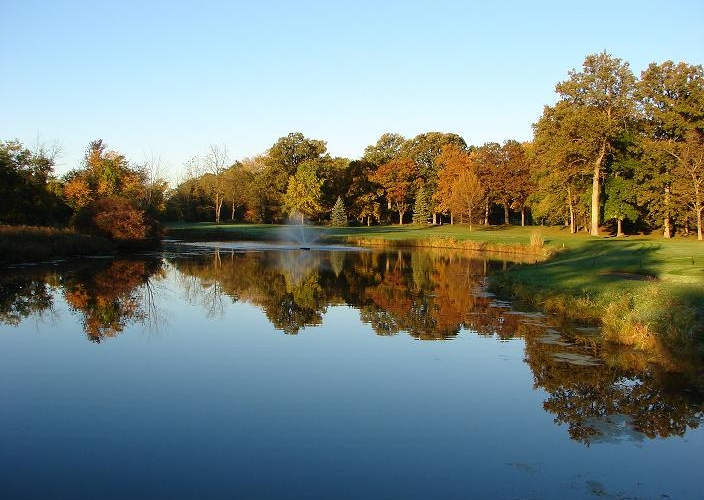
[
  {"x": 107, "y": 294},
  {"x": 600, "y": 393}
]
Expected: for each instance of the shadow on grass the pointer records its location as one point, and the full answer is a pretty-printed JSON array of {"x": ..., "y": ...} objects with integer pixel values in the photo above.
[{"x": 598, "y": 261}]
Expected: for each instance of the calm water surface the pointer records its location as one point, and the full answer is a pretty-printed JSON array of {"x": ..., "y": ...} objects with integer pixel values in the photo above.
[{"x": 248, "y": 372}]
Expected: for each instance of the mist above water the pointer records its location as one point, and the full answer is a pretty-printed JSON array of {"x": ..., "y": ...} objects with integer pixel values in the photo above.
[{"x": 298, "y": 231}]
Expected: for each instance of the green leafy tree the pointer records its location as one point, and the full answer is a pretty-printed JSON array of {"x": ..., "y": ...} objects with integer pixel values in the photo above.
[
  {"x": 29, "y": 194},
  {"x": 689, "y": 175},
  {"x": 595, "y": 109},
  {"x": 388, "y": 147},
  {"x": 562, "y": 181},
  {"x": 620, "y": 195},
  {"x": 338, "y": 217},
  {"x": 303, "y": 195},
  {"x": 289, "y": 152},
  {"x": 522, "y": 183},
  {"x": 282, "y": 161},
  {"x": 490, "y": 169},
  {"x": 672, "y": 99},
  {"x": 364, "y": 195},
  {"x": 336, "y": 177}
]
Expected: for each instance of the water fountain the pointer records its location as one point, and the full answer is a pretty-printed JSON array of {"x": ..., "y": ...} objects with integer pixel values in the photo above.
[
  {"x": 292, "y": 236},
  {"x": 300, "y": 234}
]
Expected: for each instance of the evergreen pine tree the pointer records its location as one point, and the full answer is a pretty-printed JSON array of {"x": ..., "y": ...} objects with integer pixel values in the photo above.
[
  {"x": 421, "y": 208},
  {"x": 338, "y": 216}
]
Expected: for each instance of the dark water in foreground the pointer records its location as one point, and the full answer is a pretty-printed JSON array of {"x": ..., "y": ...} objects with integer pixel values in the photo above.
[{"x": 323, "y": 374}]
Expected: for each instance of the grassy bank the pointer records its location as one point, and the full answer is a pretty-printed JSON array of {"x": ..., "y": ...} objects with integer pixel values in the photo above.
[
  {"x": 454, "y": 235},
  {"x": 644, "y": 291},
  {"x": 19, "y": 244}
]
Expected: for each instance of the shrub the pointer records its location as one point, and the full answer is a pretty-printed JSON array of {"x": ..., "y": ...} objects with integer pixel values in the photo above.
[{"x": 115, "y": 218}]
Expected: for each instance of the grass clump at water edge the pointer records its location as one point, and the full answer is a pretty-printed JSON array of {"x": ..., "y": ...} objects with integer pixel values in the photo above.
[
  {"x": 644, "y": 292},
  {"x": 20, "y": 244}
]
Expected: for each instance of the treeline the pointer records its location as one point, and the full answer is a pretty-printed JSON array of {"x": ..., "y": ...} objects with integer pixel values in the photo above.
[
  {"x": 107, "y": 196},
  {"x": 615, "y": 151}
]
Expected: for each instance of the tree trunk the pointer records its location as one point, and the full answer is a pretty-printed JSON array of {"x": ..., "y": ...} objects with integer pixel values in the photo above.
[
  {"x": 486, "y": 214},
  {"x": 302, "y": 221},
  {"x": 523, "y": 217},
  {"x": 218, "y": 208},
  {"x": 369, "y": 220},
  {"x": 596, "y": 190},
  {"x": 452, "y": 218},
  {"x": 698, "y": 209},
  {"x": 400, "y": 217},
  {"x": 505, "y": 214},
  {"x": 667, "y": 231},
  {"x": 619, "y": 226},
  {"x": 435, "y": 219},
  {"x": 573, "y": 229}
]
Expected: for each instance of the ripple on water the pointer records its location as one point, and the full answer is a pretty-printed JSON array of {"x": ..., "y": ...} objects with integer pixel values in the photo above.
[{"x": 576, "y": 359}]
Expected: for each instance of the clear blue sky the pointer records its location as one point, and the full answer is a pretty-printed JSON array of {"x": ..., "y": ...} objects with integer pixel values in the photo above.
[{"x": 172, "y": 77}]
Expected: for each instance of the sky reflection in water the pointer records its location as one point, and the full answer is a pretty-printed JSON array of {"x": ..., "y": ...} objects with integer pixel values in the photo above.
[{"x": 314, "y": 374}]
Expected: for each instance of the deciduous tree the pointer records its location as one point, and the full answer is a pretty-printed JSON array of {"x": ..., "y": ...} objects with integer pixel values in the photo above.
[
  {"x": 303, "y": 195},
  {"x": 388, "y": 147},
  {"x": 595, "y": 109},
  {"x": 397, "y": 178},
  {"x": 672, "y": 98},
  {"x": 424, "y": 150}
]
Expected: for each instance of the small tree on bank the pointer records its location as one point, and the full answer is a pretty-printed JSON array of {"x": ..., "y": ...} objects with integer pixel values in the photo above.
[
  {"x": 338, "y": 217},
  {"x": 303, "y": 195},
  {"x": 421, "y": 208}
]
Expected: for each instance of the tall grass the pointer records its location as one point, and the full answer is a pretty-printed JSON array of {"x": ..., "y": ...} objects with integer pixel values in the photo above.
[
  {"x": 20, "y": 244},
  {"x": 538, "y": 252},
  {"x": 651, "y": 317}
]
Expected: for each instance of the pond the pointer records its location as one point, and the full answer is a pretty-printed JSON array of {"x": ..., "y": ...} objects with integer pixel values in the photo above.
[{"x": 226, "y": 371}]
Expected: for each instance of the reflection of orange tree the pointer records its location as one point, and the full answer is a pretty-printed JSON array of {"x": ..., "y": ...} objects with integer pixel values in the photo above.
[
  {"x": 429, "y": 294},
  {"x": 426, "y": 293},
  {"x": 110, "y": 298},
  {"x": 615, "y": 403}
]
